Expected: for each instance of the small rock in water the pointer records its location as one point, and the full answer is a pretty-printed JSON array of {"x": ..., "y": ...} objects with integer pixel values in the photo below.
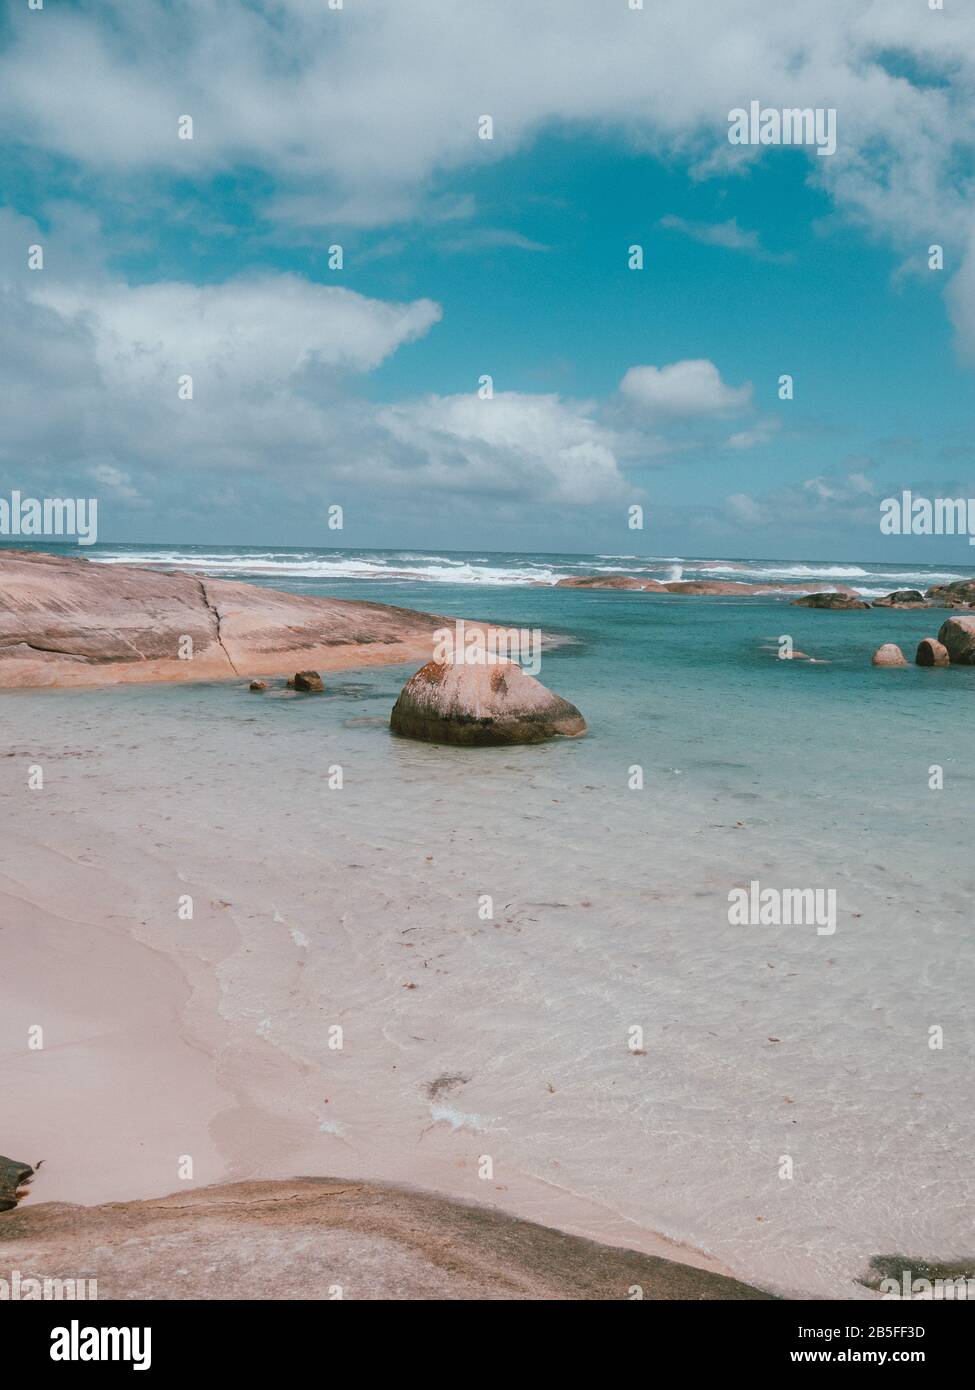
[
  {"x": 888, "y": 655},
  {"x": 306, "y": 680},
  {"x": 258, "y": 685},
  {"x": 930, "y": 652}
]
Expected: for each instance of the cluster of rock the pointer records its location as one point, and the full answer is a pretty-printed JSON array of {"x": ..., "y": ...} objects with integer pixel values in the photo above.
[
  {"x": 954, "y": 643},
  {"x": 673, "y": 586},
  {"x": 959, "y": 594},
  {"x": 309, "y": 681}
]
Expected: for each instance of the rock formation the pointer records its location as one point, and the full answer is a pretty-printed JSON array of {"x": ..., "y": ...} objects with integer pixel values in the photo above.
[
  {"x": 70, "y": 621},
  {"x": 482, "y": 703}
]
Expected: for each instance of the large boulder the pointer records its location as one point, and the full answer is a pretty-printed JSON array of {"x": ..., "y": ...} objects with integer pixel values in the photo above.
[
  {"x": 889, "y": 654},
  {"x": 841, "y": 601},
  {"x": 931, "y": 653},
  {"x": 481, "y": 703},
  {"x": 14, "y": 1178},
  {"x": 958, "y": 636},
  {"x": 901, "y": 598}
]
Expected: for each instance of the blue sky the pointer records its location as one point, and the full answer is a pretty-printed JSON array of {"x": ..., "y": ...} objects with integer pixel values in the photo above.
[{"x": 509, "y": 257}]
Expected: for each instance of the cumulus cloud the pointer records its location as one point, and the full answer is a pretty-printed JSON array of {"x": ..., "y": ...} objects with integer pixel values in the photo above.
[
  {"x": 273, "y": 361},
  {"x": 253, "y": 330},
  {"x": 689, "y": 389},
  {"x": 375, "y": 102},
  {"x": 516, "y": 445}
]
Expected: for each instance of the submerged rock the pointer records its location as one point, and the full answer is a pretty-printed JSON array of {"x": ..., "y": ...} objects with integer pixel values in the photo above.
[
  {"x": 480, "y": 704},
  {"x": 306, "y": 680},
  {"x": 889, "y": 654},
  {"x": 842, "y": 601},
  {"x": 958, "y": 636},
  {"x": 14, "y": 1178},
  {"x": 931, "y": 652}
]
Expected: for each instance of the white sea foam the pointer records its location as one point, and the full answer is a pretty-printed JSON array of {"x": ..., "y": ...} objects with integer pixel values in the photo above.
[{"x": 516, "y": 570}]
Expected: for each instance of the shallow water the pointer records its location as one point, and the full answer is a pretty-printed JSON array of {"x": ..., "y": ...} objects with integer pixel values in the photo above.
[{"x": 360, "y": 906}]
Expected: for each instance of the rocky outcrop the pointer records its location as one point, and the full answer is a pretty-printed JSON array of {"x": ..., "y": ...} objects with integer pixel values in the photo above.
[
  {"x": 319, "y": 1238},
  {"x": 888, "y": 655},
  {"x": 480, "y": 704},
  {"x": 609, "y": 581},
  {"x": 14, "y": 1178},
  {"x": 901, "y": 598},
  {"x": 957, "y": 635},
  {"x": 960, "y": 593},
  {"x": 838, "y": 601},
  {"x": 931, "y": 652},
  {"x": 68, "y": 621},
  {"x": 698, "y": 587}
]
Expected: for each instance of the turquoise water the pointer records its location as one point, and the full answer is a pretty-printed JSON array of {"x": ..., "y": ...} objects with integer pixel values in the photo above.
[{"x": 611, "y": 910}]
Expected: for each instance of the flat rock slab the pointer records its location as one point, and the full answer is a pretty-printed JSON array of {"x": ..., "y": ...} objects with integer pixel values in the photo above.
[
  {"x": 304, "y": 1238},
  {"x": 69, "y": 621}
]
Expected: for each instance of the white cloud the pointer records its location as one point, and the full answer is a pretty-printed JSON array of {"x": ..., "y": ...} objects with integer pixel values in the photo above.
[
  {"x": 355, "y": 113},
  {"x": 252, "y": 330},
  {"x": 520, "y": 445},
  {"x": 692, "y": 389},
  {"x": 726, "y": 234}
]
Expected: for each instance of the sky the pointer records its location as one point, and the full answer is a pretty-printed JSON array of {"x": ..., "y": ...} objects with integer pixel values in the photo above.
[{"x": 358, "y": 125}]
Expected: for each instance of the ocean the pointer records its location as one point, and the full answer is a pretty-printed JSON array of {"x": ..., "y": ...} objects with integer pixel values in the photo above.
[{"x": 609, "y": 904}]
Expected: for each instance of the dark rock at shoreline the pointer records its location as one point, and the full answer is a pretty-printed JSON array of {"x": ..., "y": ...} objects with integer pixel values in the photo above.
[
  {"x": 840, "y": 601},
  {"x": 902, "y": 598},
  {"x": 306, "y": 680},
  {"x": 257, "y": 685},
  {"x": 931, "y": 652},
  {"x": 481, "y": 704},
  {"x": 14, "y": 1177},
  {"x": 958, "y": 636}
]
